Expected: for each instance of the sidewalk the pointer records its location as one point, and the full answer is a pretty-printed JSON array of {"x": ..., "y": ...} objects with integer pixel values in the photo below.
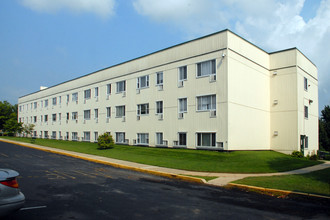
[{"x": 223, "y": 178}]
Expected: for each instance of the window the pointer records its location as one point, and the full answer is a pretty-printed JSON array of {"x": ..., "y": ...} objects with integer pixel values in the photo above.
[
  {"x": 108, "y": 112},
  {"x": 54, "y": 135},
  {"x": 46, "y": 118},
  {"x": 306, "y": 142},
  {"x": 59, "y": 135},
  {"x": 67, "y": 116},
  {"x": 96, "y": 113},
  {"x": 120, "y": 137},
  {"x": 87, "y": 135},
  {"x": 46, "y": 103},
  {"x": 182, "y": 105},
  {"x": 41, "y": 118},
  {"x": 54, "y": 101},
  {"x": 87, "y": 94},
  {"x": 46, "y": 134},
  {"x": 96, "y": 91},
  {"x": 67, "y": 98},
  {"x": 60, "y": 100},
  {"x": 96, "y": 136},
  {"x": 142, "y": 138},
  {"x": 59, "y": 116},
  {"x": 206, "y": 68},
  {"x": 142, "y": 82},
  {"x": 205, "y": 103},
  {"x": 35, "y": 105},
  {"x": 206, "y": 140},
  {"x": 159, "y": 107},
  {"x": 54, "y": 117},
  {"x": 34, "y": 119},
  {"x": 159, "y": 138},
  {"x": 143, "y": 109},
  {"x": 67, "y": 136},
  {"x": 120, "y": 111},
  {"x": 305, "y": 84},
  {"x": 306, "y": 111},
  {"x": 182, "y": 73},
  {"x": 74, "y": 115},
  {"x": 121, "y": 86},
  {"x": 159, "y": 78},
  {"x": 87, "y": 114},
  {"x": 74, "y": 136},
  {"x": 182, "y": 139},
  {"x": 108, "y": 89},
  {"x": 75, "y": 97}
]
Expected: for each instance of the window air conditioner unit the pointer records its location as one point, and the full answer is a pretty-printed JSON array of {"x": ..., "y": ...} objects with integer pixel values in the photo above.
[
  {"x": 76, "y": 120},
  {"x": 96, "y": 120},
  {"x": 123, "y": 119},
  {"x": 160, "y": 116},
  {"x": 138, "y": 117},
  {"x": 84, "y": 121},
  {"x": 137, "y": 91},
  {"x": 108, "y": 97},
  {"x": 77, "y": 102},
  {"x": 126, "y": 141},
  {"x": 67, "y": 121},
  {"x": 97, "y": 98},
  {"x": 213, "y": 113},
  {"x": 134, "y": 141},
  {"x": 220, "y": 145},
  {"x": 180, "y": 84},
  {"x": 180, "y": 115},
  {"x": 124, "y": 94},
  {"x": 108, "y": 119},
  {"x": 175, "y": 143},
  {"x": 213, "y": 78},
  {"x": 160, "y": 87}
]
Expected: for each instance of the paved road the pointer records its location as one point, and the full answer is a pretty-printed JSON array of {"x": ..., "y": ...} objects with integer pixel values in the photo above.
[{"x": 60, "y": 187}]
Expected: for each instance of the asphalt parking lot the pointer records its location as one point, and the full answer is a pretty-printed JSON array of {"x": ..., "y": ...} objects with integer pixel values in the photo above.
[{"x": 61, "y": 187}]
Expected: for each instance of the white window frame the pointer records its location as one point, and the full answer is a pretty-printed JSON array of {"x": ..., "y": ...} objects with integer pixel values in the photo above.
[
  {"x": 108, "y": 112},
  {"x": 183, "y": 110},
  {"x": 142, "y": 138},
  {"x": 201, "y": 135},
  {"x": 54, "y": 117},
  {"x": 75, "y": 97},
  {"x": 87, "y": 94},
  {"x": 74, "y": 136},
  {"x": 159, "y": 107},
  {"x": 54, "y": 100},
  {"x": 159, "y": 78},
  {"x": 139, "y": 81},
  {"x": 120, "y": 137},
  {"x": 96, "y": 92},
  {"x": 108, "y": 89},
  {"x": 203, "y": 69},
  {"x": 121, "y": 86},
  {"x": 183, "y": 73},
  {"x": 87, "y": 114},
  {"x": 159, "y": 138},
  {"x": 74, "y": 115},
  {"x": 96, "y": 113},
  {"x": 120, "y": 109},
  {"x": 87, "y": 136},
  {"x": 206, "y": 106},
  {"x": 180, "y": 141},
  {"x": 143, "y": 107}
]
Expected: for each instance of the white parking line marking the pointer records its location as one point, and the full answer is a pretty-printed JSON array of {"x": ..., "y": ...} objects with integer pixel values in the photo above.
[{"x": 36, "y": 207}]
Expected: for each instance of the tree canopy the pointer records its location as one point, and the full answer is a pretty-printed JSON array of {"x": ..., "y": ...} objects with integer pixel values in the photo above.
[
  {"x": 324, "y": 129},
  {"x": 8, "y": 118}
]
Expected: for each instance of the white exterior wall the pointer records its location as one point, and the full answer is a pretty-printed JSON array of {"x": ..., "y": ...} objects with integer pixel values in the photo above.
[{"x": 245, "y": 88}]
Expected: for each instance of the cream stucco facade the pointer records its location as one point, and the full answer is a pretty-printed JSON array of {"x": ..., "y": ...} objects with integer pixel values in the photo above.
[{"x": 216, "y": 92}]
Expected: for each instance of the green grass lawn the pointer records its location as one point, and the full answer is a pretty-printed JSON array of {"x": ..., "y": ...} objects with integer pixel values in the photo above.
[
  {"x": 196, "y": 160},
  {"x": 317, "y": 182}
]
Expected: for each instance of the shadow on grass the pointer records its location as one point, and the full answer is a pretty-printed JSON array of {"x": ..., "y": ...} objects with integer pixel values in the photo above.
[{"x": 282, "y": 164}]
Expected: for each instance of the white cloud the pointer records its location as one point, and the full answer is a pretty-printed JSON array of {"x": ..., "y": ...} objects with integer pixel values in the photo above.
[
  {"x": 102, "y": 8},
  {"x": 270, "y": 24}
]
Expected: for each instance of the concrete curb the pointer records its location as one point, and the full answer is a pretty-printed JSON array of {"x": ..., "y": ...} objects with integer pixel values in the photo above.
[
  {"x": 282, "y": 192},
  {"x": 152, "y": 172}
]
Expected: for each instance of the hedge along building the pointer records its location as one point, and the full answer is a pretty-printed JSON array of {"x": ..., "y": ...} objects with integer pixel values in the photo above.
[{"x": 215, "y": 92}]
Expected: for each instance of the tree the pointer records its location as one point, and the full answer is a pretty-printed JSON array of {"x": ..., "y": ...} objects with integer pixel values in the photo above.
[
  {"x": 6, "y": 110},
  {"x": 28, "y": 129},
  {"x": 105, "y": 141},
  {"x": 12, "y": 126},
  {"x": 324, "y": 129}
]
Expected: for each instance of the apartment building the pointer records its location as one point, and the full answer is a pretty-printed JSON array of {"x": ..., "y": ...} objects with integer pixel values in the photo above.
[{"x": 216, "y": 92}]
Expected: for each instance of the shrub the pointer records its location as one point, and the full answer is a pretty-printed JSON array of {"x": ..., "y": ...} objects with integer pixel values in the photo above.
[
  {"x": 297, "y": 154},
  {"x": 105, "y": 141},
  {"x": 313, "y": 157}
]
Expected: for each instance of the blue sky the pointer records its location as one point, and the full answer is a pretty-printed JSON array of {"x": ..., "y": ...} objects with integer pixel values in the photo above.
[{"x": 46, "y": 42}]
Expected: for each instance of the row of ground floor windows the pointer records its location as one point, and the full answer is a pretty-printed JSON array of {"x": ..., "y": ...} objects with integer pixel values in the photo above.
[{"x": 202, "y": 139}]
